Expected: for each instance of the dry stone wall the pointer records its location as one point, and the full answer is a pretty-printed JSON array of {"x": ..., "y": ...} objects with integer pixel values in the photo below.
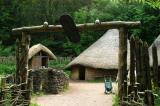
[{"x": 50, "y": 81}]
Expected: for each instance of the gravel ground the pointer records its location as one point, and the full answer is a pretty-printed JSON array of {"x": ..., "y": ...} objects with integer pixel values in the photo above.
[{"x": 79, "y": 94}]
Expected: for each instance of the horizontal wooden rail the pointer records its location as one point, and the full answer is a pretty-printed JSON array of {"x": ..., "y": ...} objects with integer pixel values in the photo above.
[{"x": 81, "y": 27}]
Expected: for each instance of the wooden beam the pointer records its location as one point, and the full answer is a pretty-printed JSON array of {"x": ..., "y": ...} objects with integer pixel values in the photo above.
[{"x": 81, "y": 27}]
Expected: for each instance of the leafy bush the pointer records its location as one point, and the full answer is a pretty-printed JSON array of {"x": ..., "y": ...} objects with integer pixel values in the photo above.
[
  {"x": 61, "y": 63},
  {"x": 7, "y": 68},
  {"x": 157, "y": 97}
]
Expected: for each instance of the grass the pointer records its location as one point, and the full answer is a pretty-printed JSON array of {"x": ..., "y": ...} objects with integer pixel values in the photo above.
[
  {"x": 33, "y": 104},
  {"x": 115, "y": 100},
  {"x": 7, "y": 68}
]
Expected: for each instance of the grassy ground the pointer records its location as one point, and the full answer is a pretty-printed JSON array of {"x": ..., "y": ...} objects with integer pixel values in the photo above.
[{"x": 115, "y": 100}]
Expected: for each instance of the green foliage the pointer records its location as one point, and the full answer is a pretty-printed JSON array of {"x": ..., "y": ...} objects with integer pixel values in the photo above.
[
  {"x": 153, "y": 3},
  {"x": 110, "y": 11},
  {"x": 7, "y": 68},
  {"x": 115, "y": 100},
  {"x": 6, "y": 51},
  {"x": 157, "y": 97},
  {"x": 59, "y": 63},
  {"x": 33, "y": 104},
  {"x": 16, "y": 13}
]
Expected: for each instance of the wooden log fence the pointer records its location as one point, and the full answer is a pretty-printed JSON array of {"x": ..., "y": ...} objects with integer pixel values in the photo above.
[
  {"x": 155, "y": 65},
  {"x": 11, "y": 94},
  {"x": 139, "y": 88}
]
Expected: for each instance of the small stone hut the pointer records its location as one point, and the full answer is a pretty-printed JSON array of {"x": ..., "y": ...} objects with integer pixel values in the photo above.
[
  {"x": 99, "y": 60},
  {"x": 157, "y": 44},
  {"x": 39, "y": 56}
]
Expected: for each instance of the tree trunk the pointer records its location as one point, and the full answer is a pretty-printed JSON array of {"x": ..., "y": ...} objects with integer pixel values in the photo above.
[{"x": 23, "y": 65}]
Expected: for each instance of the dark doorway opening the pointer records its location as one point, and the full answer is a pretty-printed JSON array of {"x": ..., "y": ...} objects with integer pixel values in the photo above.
[
  {"x": 81, "y": 73},
  {"x": 45, "y": 61}
]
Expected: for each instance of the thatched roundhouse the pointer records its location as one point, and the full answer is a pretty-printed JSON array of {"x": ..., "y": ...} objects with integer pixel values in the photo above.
[
  {"x": 39, "y": 56},
  {"x": 99, "y": 60},
  {"x": 157, "y": 44}
]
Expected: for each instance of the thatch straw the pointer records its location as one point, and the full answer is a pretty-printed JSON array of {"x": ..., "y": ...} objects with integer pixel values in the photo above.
[
  {"x": 157, "y": 44},
  {"x": 102, "y": 54},
  {"x": 39, "y": 47}
]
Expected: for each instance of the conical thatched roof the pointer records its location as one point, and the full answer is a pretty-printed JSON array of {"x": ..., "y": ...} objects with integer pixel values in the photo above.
[
  {"x": 102, "y": 54},
  {"x": 157, "y": 44},
  {"x": 39, "y": 47}
]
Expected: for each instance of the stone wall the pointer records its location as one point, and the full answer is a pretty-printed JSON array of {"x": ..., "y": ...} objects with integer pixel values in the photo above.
[{"x": 50, "y": 81}]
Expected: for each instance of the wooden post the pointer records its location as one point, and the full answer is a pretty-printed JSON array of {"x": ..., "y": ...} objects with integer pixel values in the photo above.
[
  {"x": 143, "y": 71},
  {"x": 132, "y": 62},
  {"x": 17, "y": 61},
  {"x": 155, "y": 65},
  {"x": 125, "y": 92},
  {"x": 3, "y": 86},
  {"x": 28, "y": 92},
  {"x": 135, "y": 93},
  {"x": 148, "y": 98},
  {"x": 141, "y": 66},
  {"x": 147, "y": 69},
  {"x": 138, "y": 62},
  {"x": 122, "y": 62},
  {"x": 23, "y": 66}
]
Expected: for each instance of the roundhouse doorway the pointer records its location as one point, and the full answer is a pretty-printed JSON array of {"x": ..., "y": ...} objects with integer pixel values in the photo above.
[{"x": 81, "y": 73}]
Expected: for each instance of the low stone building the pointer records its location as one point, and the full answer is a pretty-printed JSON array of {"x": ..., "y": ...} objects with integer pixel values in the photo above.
[
  {"x": 99, "y": 60},
  {"x": 39, "y": 56}
]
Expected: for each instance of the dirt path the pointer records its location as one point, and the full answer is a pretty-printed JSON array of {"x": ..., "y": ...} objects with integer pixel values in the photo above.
[{"x": 79, "y": 94}]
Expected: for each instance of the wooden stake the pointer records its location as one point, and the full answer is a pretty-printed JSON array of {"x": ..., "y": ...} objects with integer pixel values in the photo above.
[
  {"x": 17, "y": 61},
  {"x": 132, "y": 62},
  {"x": 147, "y": 84},
  {"x": 122, "y": 62},
  {"x": 148, "y": 98},
  {"x": 155, "y": 65},
  {"x": 138, "y": 62}
]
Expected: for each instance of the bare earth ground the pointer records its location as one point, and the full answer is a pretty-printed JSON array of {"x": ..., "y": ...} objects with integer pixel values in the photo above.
[{"x": 79, "y": 94}]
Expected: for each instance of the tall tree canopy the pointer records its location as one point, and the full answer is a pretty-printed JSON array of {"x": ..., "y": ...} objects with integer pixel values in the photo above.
[{"x": 18, "y": 13}]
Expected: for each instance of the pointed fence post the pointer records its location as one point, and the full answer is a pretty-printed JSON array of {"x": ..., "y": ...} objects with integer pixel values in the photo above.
[
  {"x": 147, "y": 84},
  {"x": 148, "y": 98},
  {"x": 141, "y": 86},
  {"x": 122, "y": 62},
  {"x": 132, "y": 63},
  {"x": 155, "y": 65},
  {"x": 143, "y": 71},
  {"x": 138, "y": 60}
]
